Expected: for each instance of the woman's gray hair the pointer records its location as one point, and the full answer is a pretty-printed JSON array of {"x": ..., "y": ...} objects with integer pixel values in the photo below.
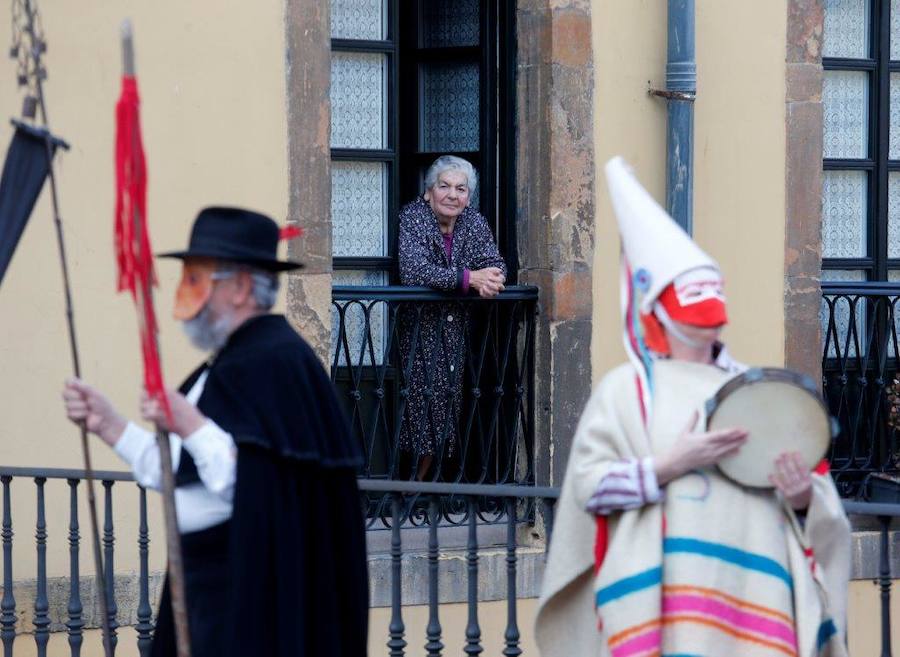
[
  {"x": 451, "y": 163},
  {"x": 265, "y": 283}
]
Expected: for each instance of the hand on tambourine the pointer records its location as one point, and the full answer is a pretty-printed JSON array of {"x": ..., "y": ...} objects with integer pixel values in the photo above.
[
  {"x": 793, "y": 480},
  {"x": 695, "y": 449},
  {"x": 87, "y": 405},
  {"x": 186, "y": 419}
]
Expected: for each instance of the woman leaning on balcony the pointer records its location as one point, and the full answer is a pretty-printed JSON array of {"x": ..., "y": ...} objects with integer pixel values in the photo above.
[{"x": 446, "y": 245}]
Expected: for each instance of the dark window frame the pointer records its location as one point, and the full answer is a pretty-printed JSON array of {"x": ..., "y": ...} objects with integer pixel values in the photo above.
[
  {"x": 390, "y": 155},
  {"x": 497, "y": 123},
  {"x": 876, "y": 264}
]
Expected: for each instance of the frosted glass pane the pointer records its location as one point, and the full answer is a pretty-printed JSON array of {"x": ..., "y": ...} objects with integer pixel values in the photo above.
[
  {"x": 844, "y": 214},
  {"x": 842, "y": 315},
  {"x": 358, "y": 19},
  {"x": 450, "y": 107},
  {"x": 846, "y": 29},
  {"x": 845, "y": 100},
  {"x": 894, "y": 153},
  {"x": 894, "y": 214},
  {"x": 358, "y": 342},
  {"x": 895, "y": 29},
  {"x": 450, "y": 23},
  {"x": 358, "y": 100},
  {"x": 359, "y": 208}
]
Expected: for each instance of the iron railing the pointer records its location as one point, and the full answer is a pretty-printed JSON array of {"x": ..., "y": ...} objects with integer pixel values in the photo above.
[
  {"x": 431, "y": 507},
  {"x": 411, "y": 504},
  {"x": 859, "y": 363},
  {"x": 402, "y": 354}
]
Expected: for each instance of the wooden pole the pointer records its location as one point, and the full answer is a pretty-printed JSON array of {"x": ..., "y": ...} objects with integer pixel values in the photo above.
[
  {"x": 173, "y": 537},
  {"x": 102, "y": 591}
]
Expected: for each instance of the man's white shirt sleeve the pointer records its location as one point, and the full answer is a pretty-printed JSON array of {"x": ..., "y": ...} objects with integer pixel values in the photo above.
[{"x": 211, "y": 447}]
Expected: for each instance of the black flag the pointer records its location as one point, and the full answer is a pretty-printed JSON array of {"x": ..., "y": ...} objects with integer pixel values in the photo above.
[{"x": 24, "y": 172}]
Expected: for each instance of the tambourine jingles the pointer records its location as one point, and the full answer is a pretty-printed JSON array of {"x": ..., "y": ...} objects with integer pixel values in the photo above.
[{"x": 782, "y": 411}]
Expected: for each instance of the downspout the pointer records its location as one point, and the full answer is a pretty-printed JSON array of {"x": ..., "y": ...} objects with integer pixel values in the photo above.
[{"x": 681, "y": 89}]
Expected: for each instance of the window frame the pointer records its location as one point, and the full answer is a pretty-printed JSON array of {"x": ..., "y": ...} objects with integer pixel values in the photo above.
[
  {"x": 876, "y": 265},
  {"x": 389, "y": 155}
]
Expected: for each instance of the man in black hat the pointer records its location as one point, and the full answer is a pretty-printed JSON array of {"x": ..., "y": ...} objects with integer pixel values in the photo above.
[{"x": 266, "y": 498}]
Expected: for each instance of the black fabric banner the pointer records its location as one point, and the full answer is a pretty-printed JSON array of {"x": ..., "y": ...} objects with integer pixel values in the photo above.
[{"x": 24, "y": 172}]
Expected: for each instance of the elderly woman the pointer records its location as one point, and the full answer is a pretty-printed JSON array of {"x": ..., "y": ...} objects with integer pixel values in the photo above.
[{"x": 446, "y": 245}]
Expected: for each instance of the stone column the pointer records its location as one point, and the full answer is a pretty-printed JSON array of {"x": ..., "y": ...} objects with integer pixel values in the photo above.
[
  {"x": 803, "y": 187},
  {"x": 556, "y": 212},
  {"x": 308, "y": 80}
]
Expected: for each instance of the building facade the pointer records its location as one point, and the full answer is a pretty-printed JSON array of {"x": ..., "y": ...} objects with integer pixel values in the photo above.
[{"x": 325, "y": 113}]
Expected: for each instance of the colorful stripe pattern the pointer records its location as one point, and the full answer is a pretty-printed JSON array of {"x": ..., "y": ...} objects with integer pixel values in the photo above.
[
  {"x": 741, "y": 558},
  {"x": 628, "y": 585},
  {"x": 714, "y": 610}
]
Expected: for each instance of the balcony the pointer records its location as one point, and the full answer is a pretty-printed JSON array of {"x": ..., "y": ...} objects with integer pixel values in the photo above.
[
  {"x": 859, "y": 364},
  {"x": 454, "y": 373}
]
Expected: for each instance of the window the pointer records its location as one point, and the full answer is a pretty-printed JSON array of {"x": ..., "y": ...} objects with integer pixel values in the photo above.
[
  {"x": 861, "y": 102},
  {"x": 411, "y": 80}
]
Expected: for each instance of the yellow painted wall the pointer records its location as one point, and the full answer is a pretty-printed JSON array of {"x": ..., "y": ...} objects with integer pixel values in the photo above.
[
  {"x": 739, "y": 170},
  {"x": 212, "y": 80}
]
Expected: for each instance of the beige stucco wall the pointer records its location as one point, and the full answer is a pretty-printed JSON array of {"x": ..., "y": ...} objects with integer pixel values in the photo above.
[
  {"x": 739, "y": 156},
  {"x": 212, "y": 79}
]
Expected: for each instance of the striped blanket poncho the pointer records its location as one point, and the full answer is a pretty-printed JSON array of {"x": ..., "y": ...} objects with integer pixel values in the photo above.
[{"x": 715, "y": 569}]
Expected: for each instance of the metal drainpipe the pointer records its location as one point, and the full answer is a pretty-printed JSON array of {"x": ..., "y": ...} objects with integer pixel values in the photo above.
[{"x": 681, "y": 88}]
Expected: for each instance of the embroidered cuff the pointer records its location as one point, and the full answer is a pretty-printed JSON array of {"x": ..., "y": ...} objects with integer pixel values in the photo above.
[
  {"x": 132, "y": 443},
  {"x": 652, "y": 491}
]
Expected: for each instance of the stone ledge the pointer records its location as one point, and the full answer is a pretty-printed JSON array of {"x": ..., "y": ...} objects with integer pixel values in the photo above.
[{"x": 452, "y": 581}]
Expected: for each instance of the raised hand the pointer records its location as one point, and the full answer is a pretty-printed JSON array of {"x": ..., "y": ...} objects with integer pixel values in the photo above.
[
  {"x": 695, "y": 449},
  {"x": 793, "y": 479},
  {"x": 186, "y": 419},
  {"x": 87, "y": 405}
]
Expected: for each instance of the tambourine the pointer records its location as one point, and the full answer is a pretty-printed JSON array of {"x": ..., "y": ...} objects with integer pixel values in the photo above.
[{"x": 782, "y": 411}]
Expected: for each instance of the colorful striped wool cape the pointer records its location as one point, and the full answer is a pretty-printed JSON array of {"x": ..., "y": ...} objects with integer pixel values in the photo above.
[{"x": 714, "y": 570}]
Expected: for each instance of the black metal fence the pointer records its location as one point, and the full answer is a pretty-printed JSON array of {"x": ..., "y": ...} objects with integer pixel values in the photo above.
[
  {"x": 445, "y": 377},
  {"x": 431, "y": 506},
  {"x": 859, "y": 364},
  {"x": 428, "y": 506}
]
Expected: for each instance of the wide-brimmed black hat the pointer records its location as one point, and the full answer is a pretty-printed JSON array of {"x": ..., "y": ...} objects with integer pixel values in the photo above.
[{"x": 236, "y": 235}]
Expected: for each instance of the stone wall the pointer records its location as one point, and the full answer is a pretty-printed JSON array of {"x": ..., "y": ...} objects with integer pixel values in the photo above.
[{"x": 803, "y": 211}]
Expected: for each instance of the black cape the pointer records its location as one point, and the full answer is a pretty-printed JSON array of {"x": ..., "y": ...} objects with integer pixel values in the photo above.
[{"x": 291, "y": 580}]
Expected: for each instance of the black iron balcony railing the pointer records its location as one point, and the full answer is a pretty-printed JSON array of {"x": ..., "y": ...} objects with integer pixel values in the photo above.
[
  {"x": 860, "y": 323},
  {"x": 60, "y": 609},
  {"x": 450, "y": 378},
  {"x": 66, "y": 610}
]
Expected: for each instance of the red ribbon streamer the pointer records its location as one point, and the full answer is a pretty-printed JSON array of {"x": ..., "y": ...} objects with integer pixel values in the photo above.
[{"x": 132, "y": 240}]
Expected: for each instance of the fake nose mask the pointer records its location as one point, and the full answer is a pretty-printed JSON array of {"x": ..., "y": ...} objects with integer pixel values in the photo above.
[{"x": 194, "y": 289}]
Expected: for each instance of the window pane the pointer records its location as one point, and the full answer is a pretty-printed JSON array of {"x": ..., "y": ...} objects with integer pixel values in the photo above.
[
  {"x": 895, "y": 117},
  {"x": 894, "y": 214},
  {"x": 450, "y": 120},
  {"x": 358, "y": 208},
  {"x": 846, "y": 29},
  {"x": 358, "y": 19},
  {"x": 358, "y": 99},
  {"x": 845, "y": 99},
  {"x": 844, "y": 214},
  {"x": 450, "y": 23},
  {"x": 354, "y": 324},
  {"x": 842, "y": 314},
  {"x": 895, "y": 29}
]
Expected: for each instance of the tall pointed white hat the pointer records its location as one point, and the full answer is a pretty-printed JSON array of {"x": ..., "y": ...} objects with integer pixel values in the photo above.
[{"x": 656, "y": 249}]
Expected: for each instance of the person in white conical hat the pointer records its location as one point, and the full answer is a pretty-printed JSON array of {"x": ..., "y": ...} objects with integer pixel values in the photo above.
[{"x": 654, "y": 552}]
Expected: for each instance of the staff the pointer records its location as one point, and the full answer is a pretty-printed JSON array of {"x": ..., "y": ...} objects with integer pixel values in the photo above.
[{"x": 135, "y": 261}]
